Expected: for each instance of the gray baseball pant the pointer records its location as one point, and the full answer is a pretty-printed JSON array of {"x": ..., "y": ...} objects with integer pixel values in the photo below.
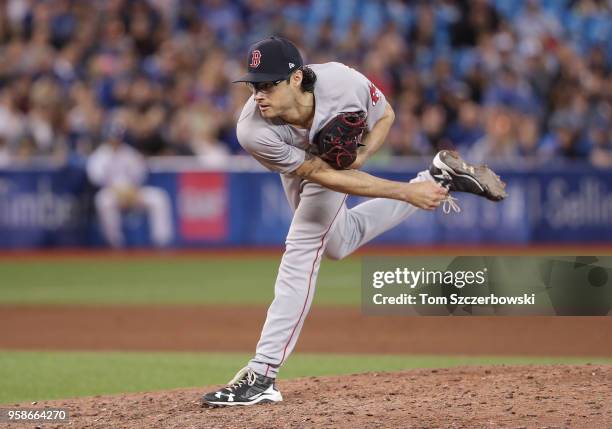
[{"x": 322, "y": 224}]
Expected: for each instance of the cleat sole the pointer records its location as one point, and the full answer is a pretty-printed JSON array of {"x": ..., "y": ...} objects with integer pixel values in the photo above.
[{"x": 492, "y": 186}]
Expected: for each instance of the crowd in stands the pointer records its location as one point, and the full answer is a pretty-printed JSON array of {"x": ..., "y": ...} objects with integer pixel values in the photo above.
[{"x": 499, "y": 80}]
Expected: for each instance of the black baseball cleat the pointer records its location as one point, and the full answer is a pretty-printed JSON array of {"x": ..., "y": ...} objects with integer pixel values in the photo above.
[
  {"x": 246, "y": 388},
  {"x": 455, "y": 174}
]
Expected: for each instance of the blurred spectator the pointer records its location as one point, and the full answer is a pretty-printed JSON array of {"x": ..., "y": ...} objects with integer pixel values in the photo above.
[
  {"x": 196, "y": 127},
  {"x": 45, "y": 119},
  {"x": 535, "y": 23},
  {"x": 511, "y": 91},
  {"x": 84, "y": 119},
  {"x": 433, "y": 126},
  {"x": 601, "y": 141},
  {"x": 423, "y": 33},
  {"x": 527, "y": 135},
  {"x": 499, "y": 143},
  {"x": 145, "y": 114},
  {"x": 5, "y": 153},
  {"x": 563, "y": 139},
  {"x": 404, "y": 138},
  {"x": 12, "y": 120},
  {"x": 477, "y": 18},
  {"x": 120, "y": 172},
  {"x": 467, "y": 129}
]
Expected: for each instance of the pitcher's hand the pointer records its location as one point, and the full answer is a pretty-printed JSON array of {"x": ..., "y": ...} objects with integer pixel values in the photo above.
[{"x": 425, "y": 195}]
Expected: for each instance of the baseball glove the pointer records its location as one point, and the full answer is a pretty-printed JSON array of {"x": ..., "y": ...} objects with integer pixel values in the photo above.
[{"x": 337, "y": 142}]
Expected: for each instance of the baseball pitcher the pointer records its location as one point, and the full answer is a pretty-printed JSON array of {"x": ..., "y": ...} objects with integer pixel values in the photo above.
[{"x": 316, "y": 125}]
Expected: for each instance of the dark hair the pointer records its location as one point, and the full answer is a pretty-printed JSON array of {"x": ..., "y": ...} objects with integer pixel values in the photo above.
[{"x": 308, "y": 78}]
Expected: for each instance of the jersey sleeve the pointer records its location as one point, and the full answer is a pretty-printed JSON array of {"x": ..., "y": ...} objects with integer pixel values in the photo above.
[
  {"x": 269, "y": 149},
  {"x": 374, "y": 99}
]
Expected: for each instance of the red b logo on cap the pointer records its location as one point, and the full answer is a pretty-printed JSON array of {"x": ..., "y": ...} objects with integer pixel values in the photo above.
[{"x": 255, "y": 58}]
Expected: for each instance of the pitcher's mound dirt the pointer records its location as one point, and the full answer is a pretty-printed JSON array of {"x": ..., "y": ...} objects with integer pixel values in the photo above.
[{"x": 559, "y": 396}]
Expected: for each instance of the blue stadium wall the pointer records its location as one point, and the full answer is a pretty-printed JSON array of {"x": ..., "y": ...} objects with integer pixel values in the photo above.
[{"x": 42, "y": 208}]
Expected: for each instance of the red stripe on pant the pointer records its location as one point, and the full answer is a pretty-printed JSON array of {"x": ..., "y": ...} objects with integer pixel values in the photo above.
[{"x": 309, "y": 284}]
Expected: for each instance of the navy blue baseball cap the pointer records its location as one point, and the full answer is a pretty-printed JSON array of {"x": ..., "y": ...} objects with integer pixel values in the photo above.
[{"x": 271, "y": 59}]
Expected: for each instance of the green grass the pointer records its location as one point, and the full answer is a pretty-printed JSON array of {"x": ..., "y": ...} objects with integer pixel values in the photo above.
[
  {"x": 170, "y": 281},
  {"x": 30, "y": 376},
  {"x": 34, "y": 376}
]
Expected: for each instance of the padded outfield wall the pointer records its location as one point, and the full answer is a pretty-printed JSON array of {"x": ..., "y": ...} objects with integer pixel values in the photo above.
[{"x": 53, "y": 207}]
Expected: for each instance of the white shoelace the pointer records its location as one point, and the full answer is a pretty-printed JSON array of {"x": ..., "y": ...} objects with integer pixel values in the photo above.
[
  {"x": 240, "y": 379},
  {"x": 450, "y": 203}
]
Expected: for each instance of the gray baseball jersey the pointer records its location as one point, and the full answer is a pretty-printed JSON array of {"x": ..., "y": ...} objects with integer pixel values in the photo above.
[
  {"x": 322, "y": 224},
  {"x": 281, "y": 147}
]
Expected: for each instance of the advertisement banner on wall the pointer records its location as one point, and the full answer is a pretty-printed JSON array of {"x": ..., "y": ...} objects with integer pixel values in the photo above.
[
  {"x": 43, "y": 208},
  {"x": 53, "y": 208},
  {"x": 203, "y": 206}
]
